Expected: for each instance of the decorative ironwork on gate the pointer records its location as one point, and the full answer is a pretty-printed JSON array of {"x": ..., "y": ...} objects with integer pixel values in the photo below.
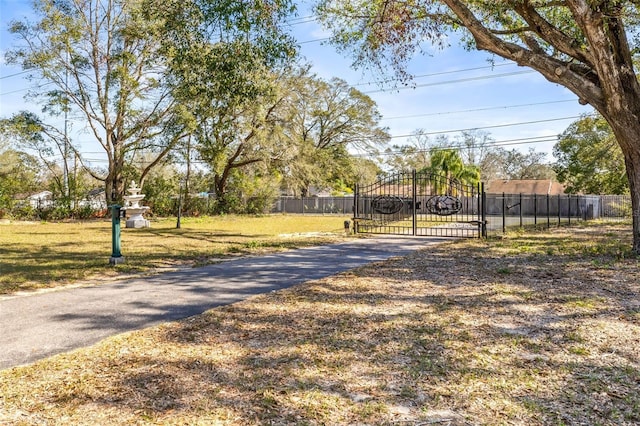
[{"x": 420, "y": 203}]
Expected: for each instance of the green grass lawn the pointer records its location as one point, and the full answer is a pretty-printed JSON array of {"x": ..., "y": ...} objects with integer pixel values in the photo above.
[{"x": 41, "y": 255}]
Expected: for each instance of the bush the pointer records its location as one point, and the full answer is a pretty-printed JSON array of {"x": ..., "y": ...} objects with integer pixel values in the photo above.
[
  {"x": 196, "y": 206},
  {"x": 619, "y": 209},
  {"x": 24, "y": 212},
  {"x": 84, "y": 212},
  {"x": 54, "y": 213},
  {"x": 162, "y": 206},
  {"x": 259, "y": 205},
  {"x": 258, "y": 193},
  {"x": 227, "y": 203}
]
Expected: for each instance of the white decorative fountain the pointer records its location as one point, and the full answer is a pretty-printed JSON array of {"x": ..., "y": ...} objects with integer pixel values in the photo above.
[{"x": 133, "y": 208}]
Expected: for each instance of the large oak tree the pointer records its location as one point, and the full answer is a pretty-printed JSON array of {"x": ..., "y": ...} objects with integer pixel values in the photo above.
[
  {"x": 587, "y": 46},
  {"x": 97, "y": 62},
  {"x": 221, "y": 59},
  {"x": 327, "y": 119},
  {"x": 123, "y": 68}
]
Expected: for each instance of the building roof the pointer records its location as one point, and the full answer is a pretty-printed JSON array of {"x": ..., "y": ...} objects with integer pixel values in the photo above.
[{"x": 524, "y": 186}]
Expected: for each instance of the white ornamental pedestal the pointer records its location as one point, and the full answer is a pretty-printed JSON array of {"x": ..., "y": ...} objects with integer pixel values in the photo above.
[{"x": 133, "y": 208}]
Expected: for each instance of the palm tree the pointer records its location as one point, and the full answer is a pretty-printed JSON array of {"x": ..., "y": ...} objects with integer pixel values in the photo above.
[{"x": 447, "y": 168}]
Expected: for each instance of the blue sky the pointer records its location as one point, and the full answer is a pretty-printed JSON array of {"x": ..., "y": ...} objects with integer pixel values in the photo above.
[{"x": 457, "y": 90}]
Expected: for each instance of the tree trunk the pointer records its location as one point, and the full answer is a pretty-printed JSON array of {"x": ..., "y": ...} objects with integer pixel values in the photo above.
[
  {"x": 633, "y": 173},
  {"x": 220, "y": 184},
  {"x": 114, "y": 184},
  {"x": 114, "y": 187},
  {"x": 626, "y": 128},
  {"x": 221, "y": 193}
]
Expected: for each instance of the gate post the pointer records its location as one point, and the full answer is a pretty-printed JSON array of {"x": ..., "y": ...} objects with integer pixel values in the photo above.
[
  {"x": 520, "y": 210},
  {"x": 504, "y": 213},
  {"x": 414, "y": 215},
  {"x": 354, "y": 209},
  {"x": 559, "y": 217},
  {"x": 548, "y": 212},
  {"x": 483, "y": 200}
]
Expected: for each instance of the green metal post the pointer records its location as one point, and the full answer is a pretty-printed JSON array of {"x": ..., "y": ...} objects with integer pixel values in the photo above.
[{"x": 116, "y": 256}]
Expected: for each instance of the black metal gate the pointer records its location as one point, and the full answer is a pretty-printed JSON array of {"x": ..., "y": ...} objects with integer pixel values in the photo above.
[{"x": 412, "y": 203}]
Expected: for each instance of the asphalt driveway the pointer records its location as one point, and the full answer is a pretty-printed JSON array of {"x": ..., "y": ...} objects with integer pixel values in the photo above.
[{"x": 39, "y": 325}]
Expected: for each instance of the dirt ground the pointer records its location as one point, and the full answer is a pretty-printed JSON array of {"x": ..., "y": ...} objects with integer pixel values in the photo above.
[{"x": 530, "y": 329}]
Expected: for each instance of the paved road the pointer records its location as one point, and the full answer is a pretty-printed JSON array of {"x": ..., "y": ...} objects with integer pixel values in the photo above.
[{"x": 39, "y": 325}]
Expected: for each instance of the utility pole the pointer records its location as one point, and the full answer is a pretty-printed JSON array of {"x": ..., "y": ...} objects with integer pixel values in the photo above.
[{"x": 65, "y": 165}]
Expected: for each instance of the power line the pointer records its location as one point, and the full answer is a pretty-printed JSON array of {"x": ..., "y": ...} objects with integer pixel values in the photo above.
[
  {"x": 493, "y": 144},
  {"x": 315, "y": 40},
  {"x": 379, "y": 90},
  {"x": 26, "y": 89},
  {"x": 429, "y": 75},
  {"x": 391, "y": 80},
  {"x": 301, "y": 20},
  {"x": 14, "y": 75},
  {"x": 462, "y": 80},
  {"x": 522, "y": 123},
  {"x": 442, "y": 132},
  {"x": 477, "y": 109},
  {"x": 507, "y": 142}
]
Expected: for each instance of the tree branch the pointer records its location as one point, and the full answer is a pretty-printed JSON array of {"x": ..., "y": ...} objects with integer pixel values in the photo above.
[
  {"x": 551, "y": 34},
  {"x": 552, "y": 69},
  {"x": 605, "y": 32},
  {"x": 513, "y": 31}
]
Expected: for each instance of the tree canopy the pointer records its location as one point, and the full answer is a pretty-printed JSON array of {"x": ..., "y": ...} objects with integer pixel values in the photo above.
[
  {"x": 589, "y": 160},
  {"x": 472, "y": 151},
  {"x": 100, "y": 59},
  {"x": 449, "y": 163},
  {"x": 122, "y": 67},
  {"x": 19, "y": 175},
  {"x": 301, "y": 129},
  {"x": 327, "y": 119}
]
